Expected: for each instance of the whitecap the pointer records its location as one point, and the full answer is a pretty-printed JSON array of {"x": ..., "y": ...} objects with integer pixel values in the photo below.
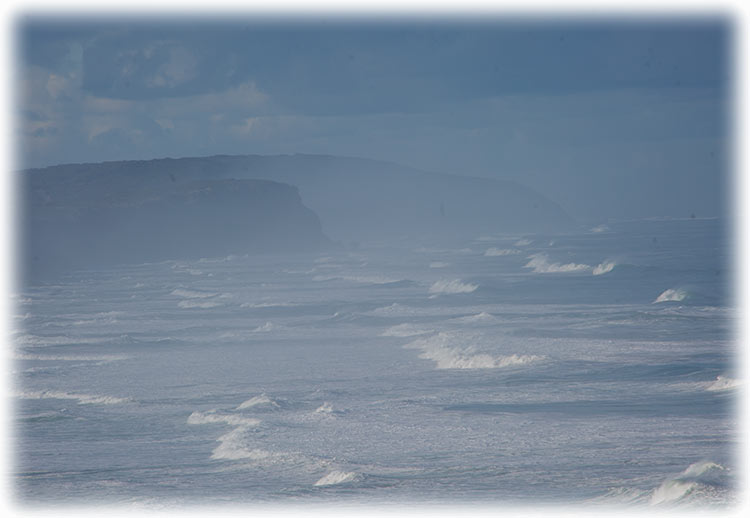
[
  {"x": 540, "y": 264},
  {"x": 338, "y": 477},
  {"x": 671, "y": 295},
  {"x": 723, "y": 383},
  {"x": 452, "y": 286},
  {"x": 676, "y": 489},
  {"x": 258, "y": 401},
  {"x": 604, "y": 267},
  {"x": 448, "y": 352},
  {"x": 233, "y": 446}
]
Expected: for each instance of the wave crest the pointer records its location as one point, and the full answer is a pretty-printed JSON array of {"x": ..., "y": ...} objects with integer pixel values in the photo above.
[
  {"x": 258, "y": 401},
  {"x": 723, "y": 383},
  {"x": 338, "y": 477},
  {"x": 671, "y": 295},
  {"x": 453, "y": 286},
  {"x": 605, "y": 267},
  {"x": 697, "y": 478},
  {"x": 443, "y": 349},
  {"x": 540, "y": 264}
]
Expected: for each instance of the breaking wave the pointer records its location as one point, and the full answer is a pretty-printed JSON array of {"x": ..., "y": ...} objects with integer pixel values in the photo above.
[
  {"x": 671, "y": 295},
  {"x": 723, "y": 383},
  {"x": 83, "y": 399},
  {"x": 540, "y": 264},
  {"x": 439, "y": 264},
  {"x": 450, "y": 287},
  {"x": 496, "y": 252},
  {"x": 258, "y": 401},
  {"x": 522, "y": 242},
  {"x": 699, "y": 482},
  {"x": 234, "y": 446},
  {"x": 338, "y": 477},
  {"x": 605, "y": 267},
  {"x": 443, "y": 349}
]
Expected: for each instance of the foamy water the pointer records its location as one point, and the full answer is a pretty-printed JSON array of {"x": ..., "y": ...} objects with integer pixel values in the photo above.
[
  {"x": 671, "y": 295},
  {"x": 461, "y": 372}
]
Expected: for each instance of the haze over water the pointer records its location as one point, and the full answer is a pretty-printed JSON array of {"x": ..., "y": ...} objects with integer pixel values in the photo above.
[{"x": 521, "y": 294}]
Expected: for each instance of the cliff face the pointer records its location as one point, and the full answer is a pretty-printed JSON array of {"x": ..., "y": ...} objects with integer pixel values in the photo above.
[
  {"x": 71, "y": 221},
  {"x": 356, "y": 199},
  {"x": 87, "y": 215}
]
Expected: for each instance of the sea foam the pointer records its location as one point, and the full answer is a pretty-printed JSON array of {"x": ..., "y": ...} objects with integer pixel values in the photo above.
[
  {"x": 540, "y": 264},
  {"x": 233, "y": 446},
  {"x": 723, "y": 383},
  {"x": 448, "y": 352},
  {"x": 605, "y": 267},
  {"x": 453, "y": 286},
  {"x": 671, "y": 295},
  {"x": 258, "y": 401},
  {"x": 696, "y": 477},
  {"x": 338, "y": 477}
]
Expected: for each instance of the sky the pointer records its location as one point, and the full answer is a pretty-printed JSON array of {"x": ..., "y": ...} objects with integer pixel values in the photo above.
[{"x": 612, "y": 118}]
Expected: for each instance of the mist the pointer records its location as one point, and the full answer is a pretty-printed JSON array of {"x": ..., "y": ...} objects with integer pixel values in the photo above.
[
  {"x": 610, "y": 118},
  {"x": 377, "y": 263}
]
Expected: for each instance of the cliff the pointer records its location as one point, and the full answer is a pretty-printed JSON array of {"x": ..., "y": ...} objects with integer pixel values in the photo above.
[{"x": 72, "y": 221}]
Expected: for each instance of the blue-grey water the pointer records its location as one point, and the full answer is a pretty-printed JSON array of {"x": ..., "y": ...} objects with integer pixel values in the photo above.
[{"x": 592, "y": 368}]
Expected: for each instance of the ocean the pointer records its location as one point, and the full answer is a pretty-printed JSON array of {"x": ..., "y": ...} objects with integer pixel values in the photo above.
[{"x": 595, "y": 368}]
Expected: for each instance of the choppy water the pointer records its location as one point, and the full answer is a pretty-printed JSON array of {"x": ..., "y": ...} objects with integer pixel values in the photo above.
[{"x": 595, "y": 368}]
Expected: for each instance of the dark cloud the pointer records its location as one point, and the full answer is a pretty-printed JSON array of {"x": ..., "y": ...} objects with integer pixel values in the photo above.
[
  {"x": 337, "y": 68},
  {"x": 619, "y": 107}
]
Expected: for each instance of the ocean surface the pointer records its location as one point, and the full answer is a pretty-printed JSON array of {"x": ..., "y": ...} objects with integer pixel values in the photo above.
[{"x": 595, "y": 368}]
